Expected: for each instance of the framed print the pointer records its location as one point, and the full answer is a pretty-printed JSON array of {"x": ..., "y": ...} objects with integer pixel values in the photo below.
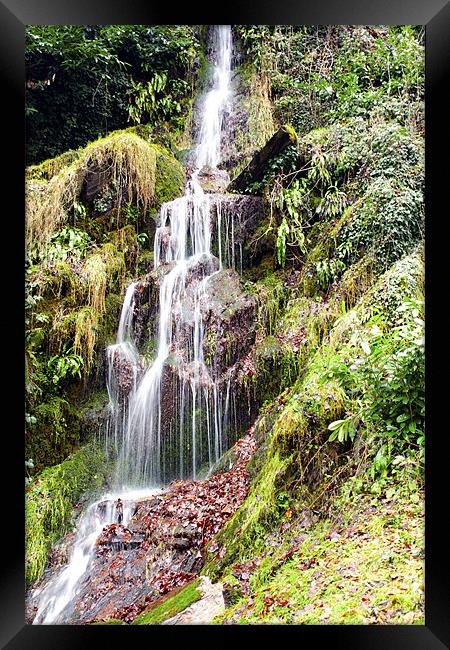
[{"x": 231, "y": 237}]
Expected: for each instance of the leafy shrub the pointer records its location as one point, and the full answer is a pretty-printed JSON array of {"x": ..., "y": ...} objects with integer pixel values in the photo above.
[
  {"x": 67, "y": 364},
  {"x": 82, "y": 78}
]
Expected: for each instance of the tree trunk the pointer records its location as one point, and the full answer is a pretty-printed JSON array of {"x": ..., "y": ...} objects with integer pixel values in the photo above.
[{"x": 256, "y": 167}]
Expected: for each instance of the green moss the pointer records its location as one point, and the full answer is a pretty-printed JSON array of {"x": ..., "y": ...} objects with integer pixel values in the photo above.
[
  {"x": 50, "y": 498},
  {"x": 169, "y": 180},
  {"x": 264, "y": 271},
  {"x": 48, "y": 168},
  {"x": 55, "y": 433},
  {"x": 107, "y": 328},
  {"x": 62, "y": 282},
  {"x": 173, "y": 604},
  {"x": 255, "y": 124},
  {"x": 298, "y": 460},
  {"x": 110, "y": 621},
  {"x": 272, "y": 299},
  {"x": 145, "y": 262},
  {"x": 364, "y": 569},
  {"x": 94, "y": 399},
  {"x": 242, "y": 535},
  {"x": 131, "y": 167},
  {"x": 276, "y": 367},
  {"x": 124, "y": 240}
]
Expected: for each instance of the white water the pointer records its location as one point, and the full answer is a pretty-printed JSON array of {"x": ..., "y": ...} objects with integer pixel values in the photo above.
[
  {"x": 56, "y": 595},
  {"x": 216, "y": 101},
  {"x": 183, "y": 240}
]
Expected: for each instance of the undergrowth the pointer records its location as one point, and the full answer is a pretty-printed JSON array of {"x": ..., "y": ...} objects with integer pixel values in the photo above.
[
  {"x": 360, "y": 378},
  {"x": 50, "y": 498}
]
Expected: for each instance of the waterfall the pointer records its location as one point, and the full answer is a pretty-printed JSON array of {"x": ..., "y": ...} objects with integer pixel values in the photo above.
[
  {"x": 182, "y": 251},
  {"x": 216, "y": 100},
  {"x": 57, "y": 594}
]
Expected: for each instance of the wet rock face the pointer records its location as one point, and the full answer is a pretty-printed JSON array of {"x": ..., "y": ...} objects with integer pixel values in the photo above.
[
  {"x": 146, "y": 299},
  {"x": 228, "y": 316},
  {"x": 92, "y": 418},
  {"x": 240, "y": 218},
  {"x": 117, "y": 537},
  {"x": 230, "y": 321},
  {"x": 213, "y": 180},
  {"x": 126, "y": 374},
  {"x": 200, "y": 398}
]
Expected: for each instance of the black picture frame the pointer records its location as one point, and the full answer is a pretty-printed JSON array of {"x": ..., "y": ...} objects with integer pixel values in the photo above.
[{"x": 435, "y": 15}]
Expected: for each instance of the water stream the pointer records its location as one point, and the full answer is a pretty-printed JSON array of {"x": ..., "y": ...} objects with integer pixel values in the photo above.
[
  {"x": 57, "y": 594},
  {"x": 182, "y": 254},
  {"x": 182, "y": 250}
]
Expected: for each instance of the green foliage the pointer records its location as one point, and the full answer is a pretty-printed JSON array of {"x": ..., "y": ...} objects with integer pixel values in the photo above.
[
  {"x": 356, "y": 189},
  {"x": 290, "y": 231},
  {"x": 343, "y": 430},
  {"x": 385, "y": 74},
  {"x": 142, "y": 238},
  {"x": 395, "y": 376},
  {"x": 381, "y": 367},
  {"x": 390, "y": 217},
  {"x": 253, "y": 39},
  {"x": 67, "y": 242},
  {"x": 358, "y": 400},
  {"x": 322, "y": 74},
  {"x": 80, "y": 79},
  {"x": 328, "y": 270},
  {"x": 50, "y": 497},
  {"x": 67, "y": 364},
  {"x": 333, "y": 203},
  {"x": 154, "y": 102}
]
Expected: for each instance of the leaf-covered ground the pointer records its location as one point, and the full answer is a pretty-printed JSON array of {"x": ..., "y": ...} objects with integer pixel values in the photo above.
[{"x": 366, "y": 566}]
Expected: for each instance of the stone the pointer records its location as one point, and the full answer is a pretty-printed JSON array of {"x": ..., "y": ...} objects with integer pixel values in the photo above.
[{"x": 213, "y": 180}]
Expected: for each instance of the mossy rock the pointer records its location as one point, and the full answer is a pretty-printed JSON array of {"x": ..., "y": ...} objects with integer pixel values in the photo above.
[
  {"x": 232, "y": 591},
  {"x": 118, "y": 179},
  {"x": 50, "y": 498},
  {"x": 264, "y": 269},
  {"x": 167, "y": 606},
  {"x": 48, "y": 168},
  {"x": 56, "y": 433},
  {"x": 169, "y": 180},
  {"x": 276, "y": 366},
  {"x": 295, "y": 458},
  {"x": 145, "y": 262}
]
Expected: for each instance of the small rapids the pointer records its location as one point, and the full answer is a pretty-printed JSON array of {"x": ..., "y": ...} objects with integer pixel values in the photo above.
[{"x": 57, "y": 594}]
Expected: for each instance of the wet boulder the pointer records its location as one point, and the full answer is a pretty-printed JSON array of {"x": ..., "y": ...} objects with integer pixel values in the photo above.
[
  {"x": 230, "y": 322},
  {"x": 238, "y": 219},
  {"x": 213, "y": 180}
]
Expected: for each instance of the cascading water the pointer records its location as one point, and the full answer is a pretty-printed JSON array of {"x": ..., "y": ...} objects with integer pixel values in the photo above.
[
  {"x": 182, "y": 250},
  {"x": 208, "y": 149},
  {"x": 55, "y": 597},
  {"x": 182, "y": 253}
]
